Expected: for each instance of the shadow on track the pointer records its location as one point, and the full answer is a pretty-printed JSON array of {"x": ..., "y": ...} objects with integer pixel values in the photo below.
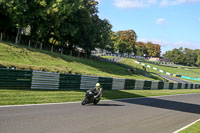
[
  {"x": 164, "y": 104},
  {"x": 105, "y": 105},
  {"x": 101, "y": 104}
]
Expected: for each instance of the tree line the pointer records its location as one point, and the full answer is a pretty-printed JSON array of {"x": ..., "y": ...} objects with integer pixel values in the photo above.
[
  {"x": 184, "y": 56},
  {"x": 148, "y": 49},
  {"x": 69, "y": 24}
]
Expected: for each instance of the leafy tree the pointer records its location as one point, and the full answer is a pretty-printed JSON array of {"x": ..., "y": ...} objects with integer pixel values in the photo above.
[
  {"x": 141, "y": 49},
  {"x": 185, "y": 57},
  {"x": 198, "y": 60},
  {"x": 176, "y": 55},
  {"x": 126, "y": 41},
  {"x": 153, "y": 49}
]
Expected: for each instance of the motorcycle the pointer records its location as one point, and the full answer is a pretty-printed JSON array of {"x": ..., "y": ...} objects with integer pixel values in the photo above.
[{"x": 89, "y": 98}]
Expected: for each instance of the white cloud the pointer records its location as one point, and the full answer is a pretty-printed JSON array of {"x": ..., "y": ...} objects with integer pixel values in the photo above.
[
  {"x": 156, "y": 41},
  {"x": 190, "y": 45},
  {"x": 152, "y": 1},
  {"x": 148, "y": 3},
  {"x": 160, "y": 21},
  {"x": 129, "y": 3},
  {"x": 176, "y": 2}
]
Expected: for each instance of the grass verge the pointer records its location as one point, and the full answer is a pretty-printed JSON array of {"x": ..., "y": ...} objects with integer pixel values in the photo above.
[
  {"x": 23, "y": 57},
  {"x": 195, "y": 128},
  {"x": 20, "y": 97}
]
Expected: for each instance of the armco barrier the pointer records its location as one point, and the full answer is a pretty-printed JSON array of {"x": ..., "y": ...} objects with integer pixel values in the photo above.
[
  {"x": 69, "y": 81},
  {"x": 45, "y": 80},
  {"x": 148, "y": 85},
  {"x": 118, "y": 84},
  {"x": 160, "y": 85},
  {"x": 106, "y": 83},
  {"x": 20, "y": 79},
  {"x": 139, "y": 84},
  {"x": 15, "y": 79},
  {"x": 185, "y": 77},
  {"x": 88, "y": 82},
  {"x": 154, "y": 85},
  {"x": 129, "y": 84}
]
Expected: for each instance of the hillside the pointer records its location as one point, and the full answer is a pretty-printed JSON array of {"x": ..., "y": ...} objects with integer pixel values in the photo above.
[
  {"x": 23, "y": 57},
  {"x": 178, "y": 69},
  {"x": 188, "y": 71}
]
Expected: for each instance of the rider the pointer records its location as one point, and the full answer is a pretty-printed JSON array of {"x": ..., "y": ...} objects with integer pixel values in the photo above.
[{"x": 97, "y": 91}]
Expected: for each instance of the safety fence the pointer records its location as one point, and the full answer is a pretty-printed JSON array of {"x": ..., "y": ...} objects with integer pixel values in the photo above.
[
  {"x": 167, "y": 73},
  {"x": 21, "y": 79},
  {"x": 15, "y": 79}
]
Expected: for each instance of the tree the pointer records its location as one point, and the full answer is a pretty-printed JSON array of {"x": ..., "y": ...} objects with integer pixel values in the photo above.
[
  {"x": 126, "y": 41},
  {"x": 141, "y": 49},
  {"x": 198, "y": 60},
  {"x": 68, "y": 23},
  {"x": 153, "y": 49},
  {"x": 176, "y": 55},
  {"x": 190, "y": 57},
  {"x": 185, "y": 57}
]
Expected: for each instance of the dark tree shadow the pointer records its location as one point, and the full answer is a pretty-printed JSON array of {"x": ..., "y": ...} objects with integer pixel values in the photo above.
[
  {"x": 109, "y": 105},
  {"x": 104, "y": 104},
  {"x": 166, "y": 104},
  {"x": 161, "y": 103},
  {"x": 150, "y": 102}
]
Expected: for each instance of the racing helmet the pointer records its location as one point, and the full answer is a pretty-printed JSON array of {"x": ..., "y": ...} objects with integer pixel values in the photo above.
[{"x": 98, "y": 85}]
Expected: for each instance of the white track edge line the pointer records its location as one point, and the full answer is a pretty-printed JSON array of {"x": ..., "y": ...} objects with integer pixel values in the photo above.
[
  {"x": 43, "y": 104},
  {"x": 186, "y": 126}
]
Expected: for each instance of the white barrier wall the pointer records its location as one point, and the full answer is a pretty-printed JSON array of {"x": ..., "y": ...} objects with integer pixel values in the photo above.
[
  {"x": 118, "y": 84},
  {"x": 175, "y": 86},
  {"x": 88, "y": 82},
  {"x": 154, "y": 85},
  {"x": 166, "y": 86},
  {"x": 139, "y": 84},
  {"x": 45, "y": 80}
]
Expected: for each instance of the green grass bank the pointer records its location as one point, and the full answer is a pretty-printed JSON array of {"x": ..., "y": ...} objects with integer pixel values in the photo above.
[{"x": 23, "y": 57}]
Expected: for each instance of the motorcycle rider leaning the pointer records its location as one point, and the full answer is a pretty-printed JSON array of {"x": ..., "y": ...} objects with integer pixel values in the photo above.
[{"x": 97, "y": 91}]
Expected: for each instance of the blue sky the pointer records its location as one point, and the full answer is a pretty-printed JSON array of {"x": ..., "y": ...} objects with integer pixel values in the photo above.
[{"x": 170, "y": 23}]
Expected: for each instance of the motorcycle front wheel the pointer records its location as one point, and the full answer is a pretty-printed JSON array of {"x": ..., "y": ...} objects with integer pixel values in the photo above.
[{"x": 84, "y": 101}]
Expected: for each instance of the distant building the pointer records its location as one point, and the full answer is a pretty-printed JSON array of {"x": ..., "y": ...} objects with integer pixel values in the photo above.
[
  {"x": 154, "y": 58},
  {"x": 160, "y": 59}
]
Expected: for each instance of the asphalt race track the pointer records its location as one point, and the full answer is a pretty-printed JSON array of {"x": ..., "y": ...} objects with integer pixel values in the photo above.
[{"x": 145, "y": 115}]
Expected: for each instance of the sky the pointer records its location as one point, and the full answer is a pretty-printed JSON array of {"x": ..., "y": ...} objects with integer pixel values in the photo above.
[{"x": 170, "y": 23}]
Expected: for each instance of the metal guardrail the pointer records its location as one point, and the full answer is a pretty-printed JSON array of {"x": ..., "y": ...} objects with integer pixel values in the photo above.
[
  {"x": 15, "y": 79},
  {"x": 21, "y": 79},
  {"x": 45, "y": 80}
]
